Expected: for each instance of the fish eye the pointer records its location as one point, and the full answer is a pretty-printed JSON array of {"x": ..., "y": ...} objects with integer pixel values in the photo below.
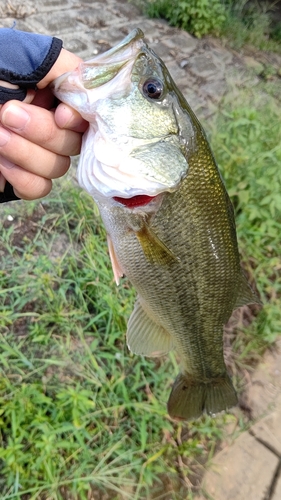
[{"x": 152, "y": 88}]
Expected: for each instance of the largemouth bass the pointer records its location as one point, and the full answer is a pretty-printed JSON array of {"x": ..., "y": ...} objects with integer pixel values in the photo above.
[{"x": 147, "y": 163}]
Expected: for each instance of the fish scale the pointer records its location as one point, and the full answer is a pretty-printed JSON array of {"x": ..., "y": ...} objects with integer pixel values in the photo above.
[
  {"x": 148, "y": 165},
  {"x": 185, "y": 287}
]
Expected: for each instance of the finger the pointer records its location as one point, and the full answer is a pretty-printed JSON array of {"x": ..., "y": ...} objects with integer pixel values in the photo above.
[
  {"x": 26, "y": 185},
  {"x": 67, "y": 117},
  {"x": 32, "y": 157},
  {"x": 38, "y": 126},
  {"x": 65, "y": 62},
  {"x": 29, "y": 96}
]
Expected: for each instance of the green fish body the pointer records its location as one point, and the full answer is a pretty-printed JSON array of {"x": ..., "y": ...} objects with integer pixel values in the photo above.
[{"x": 170, "y": 223}]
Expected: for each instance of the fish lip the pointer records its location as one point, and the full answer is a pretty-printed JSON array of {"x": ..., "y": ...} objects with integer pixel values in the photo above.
[
  {"x": 99, "y": 70},
  {"x": 134, "y": 36},
  {"x": 126, "y": 51}
]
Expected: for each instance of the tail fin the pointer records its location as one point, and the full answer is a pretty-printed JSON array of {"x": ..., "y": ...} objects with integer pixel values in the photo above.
[{"x": 190, "y": 398}]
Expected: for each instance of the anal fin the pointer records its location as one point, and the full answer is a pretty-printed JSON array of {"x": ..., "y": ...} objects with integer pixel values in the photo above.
[{"x": 144, "y": 336}]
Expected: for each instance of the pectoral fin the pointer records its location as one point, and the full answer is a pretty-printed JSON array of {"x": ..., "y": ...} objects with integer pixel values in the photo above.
[
  {"x": 117, "y": 270},
  {"x": 153, "y": 248},
  {"x": 144, "y": 336}
]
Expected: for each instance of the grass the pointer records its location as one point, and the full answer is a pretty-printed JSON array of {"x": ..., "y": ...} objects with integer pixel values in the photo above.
[
  {"x": 80, "y": 417},
  {"x": 246, "y": 139},
  {"x": 252, "y": 24},
  {"x": 239, "y": 22},
  {"x": 199, "y": 17}
]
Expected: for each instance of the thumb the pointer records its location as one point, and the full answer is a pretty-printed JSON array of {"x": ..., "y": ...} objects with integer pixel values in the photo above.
[{"x": 67, "y": 61}]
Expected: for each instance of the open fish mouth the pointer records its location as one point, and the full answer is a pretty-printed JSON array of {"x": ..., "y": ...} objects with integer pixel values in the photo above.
[
  {"x": 74, "y": 88},
  {"x": 103, "y": 69},
  {"x": 121, "y": 158}
]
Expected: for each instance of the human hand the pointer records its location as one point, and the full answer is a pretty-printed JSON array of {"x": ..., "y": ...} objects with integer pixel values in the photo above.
[{"x": 36, "y": 140}]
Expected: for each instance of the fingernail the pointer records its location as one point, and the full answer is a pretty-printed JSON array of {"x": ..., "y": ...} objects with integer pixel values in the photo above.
[
  {"x": 6, "y": 163},
  {"x": 4, "y": 136},
  {"x": 63, "y": 116},
  {"x": 15, "y": 117}
]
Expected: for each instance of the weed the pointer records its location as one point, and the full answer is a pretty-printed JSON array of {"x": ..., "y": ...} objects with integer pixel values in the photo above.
[
  {"x": 197, "y": 17},
  {"x": 239, "y": 22},
  {"x": 247, "y": 146},
  {"x": 251, "y": 23},
  {"x": 80, "y": 416}
]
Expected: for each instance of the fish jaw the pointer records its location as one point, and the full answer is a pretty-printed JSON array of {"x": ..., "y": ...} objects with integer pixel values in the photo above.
[
  {"x": 74, "y": 87},
  {"x": 117, "y": 159}
]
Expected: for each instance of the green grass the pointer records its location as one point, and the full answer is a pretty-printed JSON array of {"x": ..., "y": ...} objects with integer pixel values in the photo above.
[
  {"x": 240, "y": 22},
  {"x": 80, "y": 417},
  {"x": 251, "y": 24},
  {"x": 199, "y": 17},
  {"x": 246, "y": 138}
]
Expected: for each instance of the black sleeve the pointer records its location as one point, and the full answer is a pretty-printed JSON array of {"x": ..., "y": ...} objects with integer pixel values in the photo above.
[{"x": 8, "y": 194}]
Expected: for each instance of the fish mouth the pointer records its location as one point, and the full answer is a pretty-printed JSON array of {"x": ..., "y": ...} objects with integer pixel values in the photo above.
[
  {"x": 113, "y": 167},
  {"x": 100, "y": 70},
  {"x": 135, "y": 35}
]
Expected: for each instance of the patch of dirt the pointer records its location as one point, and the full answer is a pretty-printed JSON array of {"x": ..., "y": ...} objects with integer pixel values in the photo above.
[
  {"x": 25, "y": 228},
  {"x": 263, "y": 391}
]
